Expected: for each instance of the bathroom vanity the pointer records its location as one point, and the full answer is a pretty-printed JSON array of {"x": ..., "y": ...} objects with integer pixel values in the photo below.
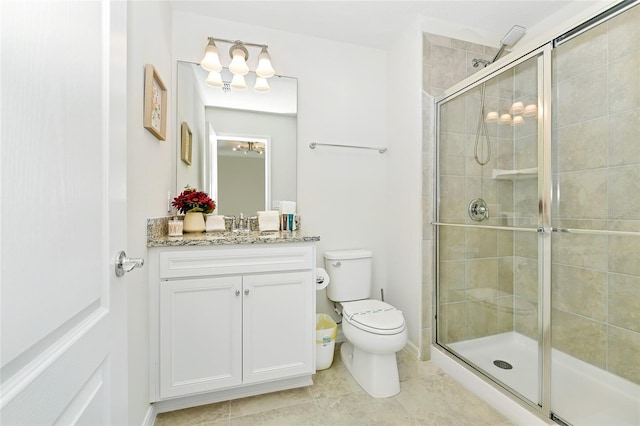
[{"x": 232, "y": 315}]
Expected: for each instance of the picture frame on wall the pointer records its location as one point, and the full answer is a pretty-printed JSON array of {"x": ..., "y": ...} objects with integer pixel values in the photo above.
[
  {"x": 187, "y": 143},
  {"x": 155, "y": 103}
]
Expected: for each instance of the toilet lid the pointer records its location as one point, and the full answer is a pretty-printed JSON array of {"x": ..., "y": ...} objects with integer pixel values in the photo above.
[{"x": 374, "y": 316}]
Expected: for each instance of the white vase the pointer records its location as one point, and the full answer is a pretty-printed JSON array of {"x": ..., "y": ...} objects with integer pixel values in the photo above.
[{"x": 194, "y": 222}]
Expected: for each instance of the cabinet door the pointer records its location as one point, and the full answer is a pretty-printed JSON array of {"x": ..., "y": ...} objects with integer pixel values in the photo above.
[
  {"x": 278, "y": 322},
  {"x": 200, "y": 335}
]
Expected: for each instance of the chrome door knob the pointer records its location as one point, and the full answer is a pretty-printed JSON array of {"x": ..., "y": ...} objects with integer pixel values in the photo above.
[{"x": 127, "y": 264}]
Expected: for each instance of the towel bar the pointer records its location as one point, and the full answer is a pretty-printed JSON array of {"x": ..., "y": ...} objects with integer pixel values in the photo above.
[{"x": 313, "y": 145}]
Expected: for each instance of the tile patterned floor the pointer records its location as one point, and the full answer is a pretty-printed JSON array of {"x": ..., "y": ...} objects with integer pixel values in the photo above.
[{"x": 427, "y": 397}]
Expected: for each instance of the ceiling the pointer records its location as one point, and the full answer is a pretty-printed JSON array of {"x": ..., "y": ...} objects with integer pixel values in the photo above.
[{"x": 374, "y": 23}]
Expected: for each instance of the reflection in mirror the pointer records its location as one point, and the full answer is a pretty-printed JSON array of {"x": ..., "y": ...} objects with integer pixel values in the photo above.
[
  {"x": 222, "y": 117},
  {"x": 242, "y": 164}
]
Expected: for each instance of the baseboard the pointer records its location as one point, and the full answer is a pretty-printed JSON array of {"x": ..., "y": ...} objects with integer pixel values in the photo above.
[
  {"x": 150, "y": 418},
  {"x": 412, "y": 350},
  {"x": 340, "y": 337}
]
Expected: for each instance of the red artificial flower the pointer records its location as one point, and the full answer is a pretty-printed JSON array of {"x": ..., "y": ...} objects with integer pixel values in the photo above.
[{"x": 192, "y": 200}]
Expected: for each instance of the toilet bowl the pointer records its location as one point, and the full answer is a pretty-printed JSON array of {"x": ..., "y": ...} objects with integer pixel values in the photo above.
[{"x": 374, "y": 330}]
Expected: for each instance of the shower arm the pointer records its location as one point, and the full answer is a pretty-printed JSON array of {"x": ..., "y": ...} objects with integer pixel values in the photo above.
[{"x": 502, "y": 47}]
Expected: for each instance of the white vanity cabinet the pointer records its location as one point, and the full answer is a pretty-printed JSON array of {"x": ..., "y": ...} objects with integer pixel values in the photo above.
[
  {"x": 231, "y": 321},
  {"x": 200, "y": 335}
]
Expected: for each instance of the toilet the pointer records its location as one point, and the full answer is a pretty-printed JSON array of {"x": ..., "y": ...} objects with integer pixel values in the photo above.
[{"x": 374, "y": 330}]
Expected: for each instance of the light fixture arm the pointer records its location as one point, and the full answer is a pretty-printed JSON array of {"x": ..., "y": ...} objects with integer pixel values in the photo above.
[{"x": 238, "y": 42}]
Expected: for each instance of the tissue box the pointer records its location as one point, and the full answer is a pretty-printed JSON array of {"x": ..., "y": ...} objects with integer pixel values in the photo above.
[
  {"x": 268, "y": 221},
  {"x": 288, "y": 207},
  {"x": 215, "y": 223}
]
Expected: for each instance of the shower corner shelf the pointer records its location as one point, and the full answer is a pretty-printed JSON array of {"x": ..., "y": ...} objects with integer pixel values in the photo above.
[{"x": 501, "y": 174}]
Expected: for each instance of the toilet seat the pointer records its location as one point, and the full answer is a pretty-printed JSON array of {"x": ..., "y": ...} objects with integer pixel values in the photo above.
[{"x": 373, "y": 316}]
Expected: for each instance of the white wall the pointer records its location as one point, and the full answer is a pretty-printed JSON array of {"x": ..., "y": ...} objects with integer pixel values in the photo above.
[
  {"x": 150, "y": 165},
  {"x": 404, "y": 236},
  {"x": 342, "y": 193},
  {"x": 189, "y": 108}
]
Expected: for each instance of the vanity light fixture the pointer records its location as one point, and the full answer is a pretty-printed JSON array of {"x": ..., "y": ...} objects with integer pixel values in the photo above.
[
  {"x": 505, "y": 119},
  {"x": 516, "y": 114},
  {"x": 238, "y": 65},
  {"x": 238, "y": 82},
  {"x": 211, "y": 60},
  {"x": 518, "y": 120},
  {"x": 530, "y": 110},
  {"x": 492, "y": 117},
  {"x": 517, "y": 108}
]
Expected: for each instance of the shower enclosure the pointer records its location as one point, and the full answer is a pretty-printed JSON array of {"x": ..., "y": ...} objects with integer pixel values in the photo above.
[{"x": 538, "y": 224}]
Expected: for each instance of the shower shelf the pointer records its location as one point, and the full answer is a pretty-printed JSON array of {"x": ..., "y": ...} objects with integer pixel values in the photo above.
[{"x": 500, "y": 174}]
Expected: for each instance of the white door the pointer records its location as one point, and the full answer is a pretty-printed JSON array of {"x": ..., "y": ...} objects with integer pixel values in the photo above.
[{"x": 63, "y": 212}]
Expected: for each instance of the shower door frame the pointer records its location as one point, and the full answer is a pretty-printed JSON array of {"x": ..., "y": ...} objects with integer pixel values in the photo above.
[{"x": 543, "y": 229}]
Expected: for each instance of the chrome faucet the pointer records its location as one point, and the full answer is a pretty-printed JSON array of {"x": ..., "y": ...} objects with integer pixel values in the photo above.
[{"x": 243, "y": 223}]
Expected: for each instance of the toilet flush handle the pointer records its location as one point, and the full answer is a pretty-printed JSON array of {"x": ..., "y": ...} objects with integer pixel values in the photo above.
[{"x": 336, "y": 264}]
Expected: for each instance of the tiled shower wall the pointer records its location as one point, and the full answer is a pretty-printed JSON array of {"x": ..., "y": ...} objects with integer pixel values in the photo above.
[
  {"x": 446, "y": 61},
  {"x": 596, "y": 167}
]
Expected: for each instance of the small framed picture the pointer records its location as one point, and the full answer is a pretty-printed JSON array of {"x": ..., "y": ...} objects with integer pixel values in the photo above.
[
  {"x": 187, "y": 142},
  {"x": 155, "y": 103}
]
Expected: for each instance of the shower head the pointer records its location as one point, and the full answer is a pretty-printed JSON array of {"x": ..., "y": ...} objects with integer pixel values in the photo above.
[
  {"x": 510, "y": 39},
  {"x": 513, "y": 35}
]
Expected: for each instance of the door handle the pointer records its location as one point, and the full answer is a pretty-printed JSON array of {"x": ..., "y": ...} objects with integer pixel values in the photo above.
[{"x": 127, "y": 264}]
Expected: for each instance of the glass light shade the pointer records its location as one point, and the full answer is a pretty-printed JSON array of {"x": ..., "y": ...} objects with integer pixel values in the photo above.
[
  {"x": 238, "y": 82},
  {"x": 492, "y": 117},
  {"x": 211, "y": 60},
  {"x": 517, "y": 108},
  {"x": 505, "y": 119},
  {"x": 530, "y": 110},
  {"x": 264, "y": 64},
  {"x": 261, "y": 85},
  {"x": 214, "y": 79},
  {"x": 518, "y": 120},
  {"x": 238, "y": 64}
]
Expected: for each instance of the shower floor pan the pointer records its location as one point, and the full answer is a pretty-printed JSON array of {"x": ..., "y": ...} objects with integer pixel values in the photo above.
[{"x": 581, "y": 393}]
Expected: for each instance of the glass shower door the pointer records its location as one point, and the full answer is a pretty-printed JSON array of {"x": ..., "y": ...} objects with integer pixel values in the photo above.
[
  {"x": 595, "y": 318},
  {"x": 487, "y": 225}
]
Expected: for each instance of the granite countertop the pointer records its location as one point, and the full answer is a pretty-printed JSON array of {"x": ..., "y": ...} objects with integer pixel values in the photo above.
[
  {"x": 157, "y": 230},
  {"x": 227, "y": 238}
]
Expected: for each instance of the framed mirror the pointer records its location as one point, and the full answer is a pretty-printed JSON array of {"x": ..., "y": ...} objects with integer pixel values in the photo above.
[{"x": 243, "y": 143}]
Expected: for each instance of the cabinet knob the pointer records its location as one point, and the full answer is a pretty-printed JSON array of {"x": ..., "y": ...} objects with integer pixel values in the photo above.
[
  {"x": 246, "y": 291},
  {"x": 237, "y": 292}
]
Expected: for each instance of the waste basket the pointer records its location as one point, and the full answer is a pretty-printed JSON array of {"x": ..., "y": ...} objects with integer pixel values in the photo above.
[{"x": 326, "y": 333}]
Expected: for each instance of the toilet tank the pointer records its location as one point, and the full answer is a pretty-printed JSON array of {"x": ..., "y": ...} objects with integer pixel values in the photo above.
[{"x": 350, "y": 274}]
